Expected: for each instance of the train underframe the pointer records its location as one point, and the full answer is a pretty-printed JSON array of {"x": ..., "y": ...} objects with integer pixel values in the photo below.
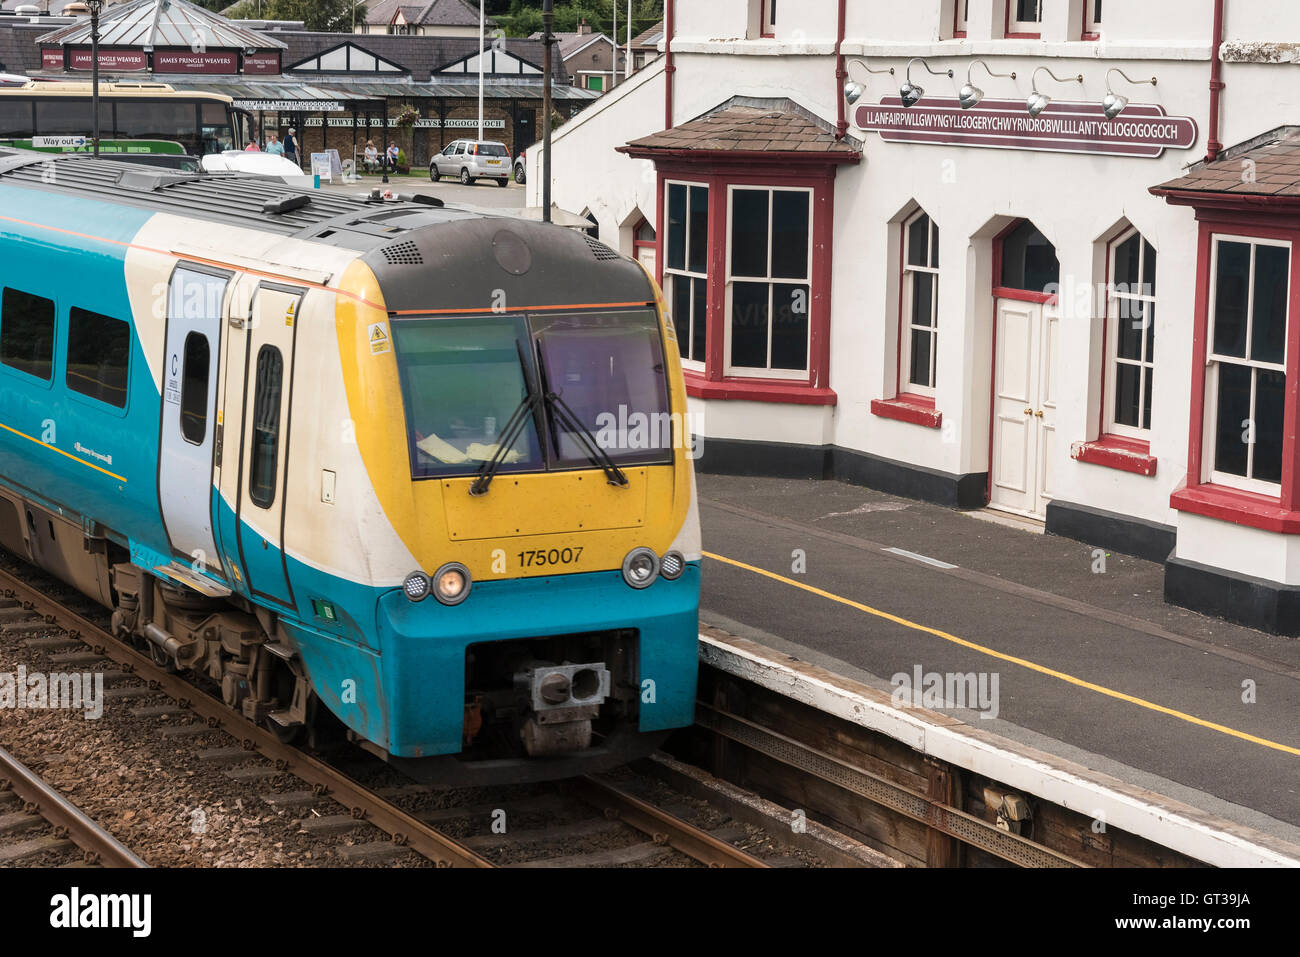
[{"x": 535, "y": 709}]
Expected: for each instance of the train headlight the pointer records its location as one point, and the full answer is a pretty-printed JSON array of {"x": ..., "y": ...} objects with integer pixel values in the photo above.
[
  {"x": 640, "y": 568},
  {"x": 451, "y": 583},
  {"x": 672, "y": 566},
  {"x": 416, "y": 586}
]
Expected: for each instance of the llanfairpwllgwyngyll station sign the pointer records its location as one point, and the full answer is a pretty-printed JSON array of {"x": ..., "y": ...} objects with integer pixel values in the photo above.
[{"x": 1141, "y": 130}]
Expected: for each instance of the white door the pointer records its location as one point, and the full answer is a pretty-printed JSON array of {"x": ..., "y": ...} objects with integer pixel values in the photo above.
[
  {"x": 185, "y": 475},
  {"x": 1024, "y": 407}
]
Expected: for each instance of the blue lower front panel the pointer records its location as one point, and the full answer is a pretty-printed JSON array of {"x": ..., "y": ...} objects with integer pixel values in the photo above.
[{"x": 410, "y": 697}]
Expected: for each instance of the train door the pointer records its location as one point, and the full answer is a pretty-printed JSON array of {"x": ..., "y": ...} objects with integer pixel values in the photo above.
[
  {"x": 189, "y": 427},
  {"x": 264, "y": 440}
]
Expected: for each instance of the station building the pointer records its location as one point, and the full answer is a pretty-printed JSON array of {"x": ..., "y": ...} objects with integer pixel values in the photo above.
[
  {"x": 337, "y": 89},
  {"x": 1036, "y": 256}
]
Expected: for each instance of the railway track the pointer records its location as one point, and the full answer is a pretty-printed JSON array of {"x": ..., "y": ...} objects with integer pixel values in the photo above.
[
  {"x": 658, "y": 834},
  {"x": 36, "y": 821}
]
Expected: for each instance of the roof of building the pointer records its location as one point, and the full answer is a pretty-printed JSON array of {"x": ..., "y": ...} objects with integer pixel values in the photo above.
[
  {"x": 753, "y": 125},
  {"x": 650, "y": 38},
  {"x": 139, "y": 23},
  {"x": 432, "y": 13},
  {"x": 421, "y": 55},
  {"x": 1268, "y": 165},
  {"x": 570, "y": 43}
]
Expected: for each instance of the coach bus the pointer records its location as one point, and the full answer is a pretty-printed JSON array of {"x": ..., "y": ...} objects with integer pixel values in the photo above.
[{"x": 134, "y": 118}]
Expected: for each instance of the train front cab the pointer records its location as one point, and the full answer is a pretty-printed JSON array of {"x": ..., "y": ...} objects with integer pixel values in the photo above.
[{"x": 576, "y": 641}]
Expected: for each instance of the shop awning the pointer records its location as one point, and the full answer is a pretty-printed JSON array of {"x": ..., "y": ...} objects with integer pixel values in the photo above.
[{"x": 280, "y": 96}]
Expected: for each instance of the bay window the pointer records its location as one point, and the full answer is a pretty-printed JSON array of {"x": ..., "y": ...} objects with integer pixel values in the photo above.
[
  {"x": 686, "y": 267},
  {"x": 1245, "y": 388},
  {"x": 768, "y": 281}
]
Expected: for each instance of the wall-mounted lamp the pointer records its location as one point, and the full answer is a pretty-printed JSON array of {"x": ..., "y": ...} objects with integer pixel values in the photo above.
[
  {"x": 1038, "y": 102},
  {"x": 853, "y": 90},
  {"x": 970, "y": 94},
  {"x": 911, "y": 93},
  {"x": 1114, "y": 104}
]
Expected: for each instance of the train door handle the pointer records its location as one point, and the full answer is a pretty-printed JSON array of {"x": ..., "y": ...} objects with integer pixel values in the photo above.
[
  {"x": 1029, "y": 411},
  {"x": 1039, "y": 413}
]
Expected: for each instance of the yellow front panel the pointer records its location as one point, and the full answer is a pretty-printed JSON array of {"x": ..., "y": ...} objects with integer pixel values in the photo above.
[{"x": 574, "y": 502}]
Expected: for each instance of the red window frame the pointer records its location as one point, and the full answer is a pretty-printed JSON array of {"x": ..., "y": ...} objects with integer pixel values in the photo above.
[
  {"x": 957, "y": 32},
  {"x": 1279, "y": 513},
  {"x": 1087, "y": 34},
  {"x": 757, "y": 170},
  {"x": 914, "y": 407},
  {"x": 762, "y": 20},
  {"x": 1006, "y": 28},
  {"x": 1123, "y": 452}
]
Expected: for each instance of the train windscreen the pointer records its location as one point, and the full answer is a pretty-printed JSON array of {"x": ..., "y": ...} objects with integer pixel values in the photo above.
[{"x": 480, "y": 389}]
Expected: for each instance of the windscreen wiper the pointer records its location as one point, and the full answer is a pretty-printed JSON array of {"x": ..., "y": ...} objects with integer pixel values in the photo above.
[
  {"x": 510, "y": 434},
  {"x": 518, "y": 419},
  {"x": 570, "y": 421}
]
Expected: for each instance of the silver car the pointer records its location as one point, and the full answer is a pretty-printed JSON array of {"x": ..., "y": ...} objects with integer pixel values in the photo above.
[{"x": 472, "y": 160}]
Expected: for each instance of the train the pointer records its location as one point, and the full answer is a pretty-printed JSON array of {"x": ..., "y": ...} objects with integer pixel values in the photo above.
[{"x": 386, "y": 471}]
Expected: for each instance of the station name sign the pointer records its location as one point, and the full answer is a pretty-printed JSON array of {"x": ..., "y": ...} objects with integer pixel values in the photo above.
[
  {"x": 1142, "y": 130},
  {"x": 420, "y": 124}
]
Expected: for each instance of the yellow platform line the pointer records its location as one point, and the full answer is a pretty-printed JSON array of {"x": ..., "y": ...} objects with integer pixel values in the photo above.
[
  {"x": 1002, "y": 656},
  {"x": 47, "y": 445}
]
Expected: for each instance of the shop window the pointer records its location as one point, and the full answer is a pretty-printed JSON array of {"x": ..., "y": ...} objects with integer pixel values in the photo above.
[
  {"x": 1130, "y": 336},
  {"x": 27, "y": 333},
  {"x": 769, "y": 265},
  {"x": 919, "y": 332},
  {"x": 1245, "y": 386},
  {"x": 686, "y": 266},
  {"x": 99, "y": 349},
  {"x": 1024, "y": 18}
]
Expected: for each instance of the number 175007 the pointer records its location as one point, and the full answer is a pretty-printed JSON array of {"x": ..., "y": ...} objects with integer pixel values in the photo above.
[{"x": 538, "y": 557}]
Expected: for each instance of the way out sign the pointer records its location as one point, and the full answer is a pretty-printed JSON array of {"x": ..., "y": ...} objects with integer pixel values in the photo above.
[{"x": 1143, "y": 130}]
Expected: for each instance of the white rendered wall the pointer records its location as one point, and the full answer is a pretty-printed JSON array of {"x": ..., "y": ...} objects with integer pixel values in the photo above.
[{"x": 1078, "y": 201}]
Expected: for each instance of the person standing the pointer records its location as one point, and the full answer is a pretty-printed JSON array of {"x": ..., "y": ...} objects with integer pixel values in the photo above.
[
  {"x": 274, "y": 146},
  {"x": 291, "y": 147}
]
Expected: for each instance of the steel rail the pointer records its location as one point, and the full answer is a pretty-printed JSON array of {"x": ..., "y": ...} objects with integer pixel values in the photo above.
[
  {"x": 663, "y": 828},
  {"x": 405, "y": 830},
  {"x": 99, "y": 845}
]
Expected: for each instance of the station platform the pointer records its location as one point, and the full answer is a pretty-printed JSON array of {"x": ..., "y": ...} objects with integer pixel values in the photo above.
[{"x": 1091, "y": 666}]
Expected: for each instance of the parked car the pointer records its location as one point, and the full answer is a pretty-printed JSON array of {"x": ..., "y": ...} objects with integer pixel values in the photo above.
[
  {"x": 472, "y": 160},
  {"x": 521, "y": 168}
]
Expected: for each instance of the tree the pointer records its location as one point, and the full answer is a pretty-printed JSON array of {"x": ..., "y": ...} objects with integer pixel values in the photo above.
[
  {"x": 520, "y": 18},
  {"x": 334, "y": 16}
]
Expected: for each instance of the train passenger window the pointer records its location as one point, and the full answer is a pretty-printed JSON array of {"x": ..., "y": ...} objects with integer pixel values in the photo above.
[
  {"x": 27, "y": 333},
  {"x": 99, "y": 350},
  {"x": 194, "y": 388},
  {"x": 266, "y": 427}
]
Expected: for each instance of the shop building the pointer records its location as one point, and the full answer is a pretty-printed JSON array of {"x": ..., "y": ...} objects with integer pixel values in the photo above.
[{"x": 1029, "y": 255}]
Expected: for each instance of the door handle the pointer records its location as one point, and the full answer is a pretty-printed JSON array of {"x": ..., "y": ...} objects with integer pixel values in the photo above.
[
  {"x": 1039, "y": 413},
  {"x": 1029, "y": 411}
]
